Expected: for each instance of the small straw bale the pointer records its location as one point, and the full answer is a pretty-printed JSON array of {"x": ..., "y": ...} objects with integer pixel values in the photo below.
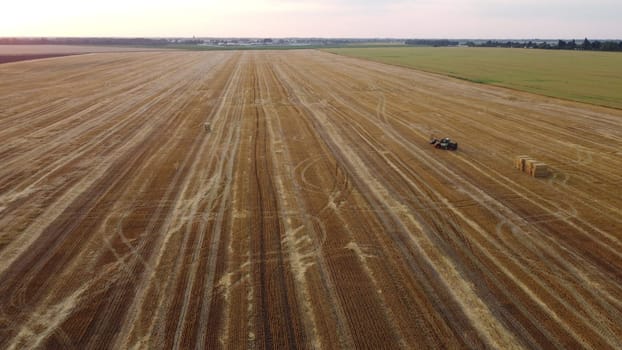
[
  {"x": 519, "y": 162},
  {"x": 539, "y": 170},
  {"x": 529, "y": 165}
]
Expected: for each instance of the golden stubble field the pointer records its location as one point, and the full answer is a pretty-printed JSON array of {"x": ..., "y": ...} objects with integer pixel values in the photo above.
[{"x": 314, "y": 214}]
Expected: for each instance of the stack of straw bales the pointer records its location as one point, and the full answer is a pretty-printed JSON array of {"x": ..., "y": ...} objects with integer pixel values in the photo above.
[{"x": 531, "y": 166}]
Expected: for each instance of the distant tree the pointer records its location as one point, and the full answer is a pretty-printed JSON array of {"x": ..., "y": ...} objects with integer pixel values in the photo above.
[
  {"x": 609, "y": 46},
  {"x": 596, "y": 45},
  {"x": 561, "y": 45}
]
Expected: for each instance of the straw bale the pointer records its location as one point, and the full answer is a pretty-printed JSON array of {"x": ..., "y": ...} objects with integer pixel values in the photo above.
[
  {"x": 529, "y": 165},
  {"x": 539, "y": 170},
  {"x": 519, "y": 162}
]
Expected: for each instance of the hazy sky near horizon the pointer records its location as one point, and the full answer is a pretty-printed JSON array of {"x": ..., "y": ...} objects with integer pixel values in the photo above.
[{"x": 598, "y": 19}]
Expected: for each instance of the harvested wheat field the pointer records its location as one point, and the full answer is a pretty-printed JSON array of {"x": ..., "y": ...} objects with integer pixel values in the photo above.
[{"x": 312, "y": 213}]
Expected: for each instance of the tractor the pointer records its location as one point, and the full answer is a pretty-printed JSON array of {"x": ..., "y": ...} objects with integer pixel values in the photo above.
[{"x": 445, "y": 143}]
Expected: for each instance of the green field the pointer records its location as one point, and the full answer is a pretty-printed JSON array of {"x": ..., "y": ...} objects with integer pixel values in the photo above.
[{"x": 585, "y": 76}]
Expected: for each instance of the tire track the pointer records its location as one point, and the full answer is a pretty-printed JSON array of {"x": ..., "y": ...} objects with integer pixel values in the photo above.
[
  {"x": 270, "y": 235},
  {"x": 296, "y": 246}
]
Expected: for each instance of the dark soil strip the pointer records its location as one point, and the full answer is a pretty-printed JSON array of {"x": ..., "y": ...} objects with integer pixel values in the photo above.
[{"x": 17, "y": 58}]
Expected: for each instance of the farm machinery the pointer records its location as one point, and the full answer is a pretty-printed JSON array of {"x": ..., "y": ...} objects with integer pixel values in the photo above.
[{"x": 445, "y": 143}]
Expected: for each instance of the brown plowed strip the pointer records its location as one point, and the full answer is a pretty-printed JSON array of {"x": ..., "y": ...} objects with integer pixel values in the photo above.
[
  {"x": 17, "y": 58},
  {"x": 312, "y": 214}
]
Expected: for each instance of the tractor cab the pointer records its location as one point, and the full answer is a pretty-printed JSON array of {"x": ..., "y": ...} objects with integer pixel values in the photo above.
[{"x": 445, "y": 143}]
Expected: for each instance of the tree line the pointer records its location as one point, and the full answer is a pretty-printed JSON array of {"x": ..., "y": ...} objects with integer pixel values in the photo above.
[
  {"x": 431, "y": 42},
  {"x": 594, "y": 45}
]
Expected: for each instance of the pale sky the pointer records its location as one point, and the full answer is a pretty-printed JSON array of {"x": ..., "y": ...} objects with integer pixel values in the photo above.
[{"x": 596, "y": 19}]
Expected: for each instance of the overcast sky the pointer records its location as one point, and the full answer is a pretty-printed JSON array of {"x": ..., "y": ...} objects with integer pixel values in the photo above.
[{"x": 596, "y": 19}]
